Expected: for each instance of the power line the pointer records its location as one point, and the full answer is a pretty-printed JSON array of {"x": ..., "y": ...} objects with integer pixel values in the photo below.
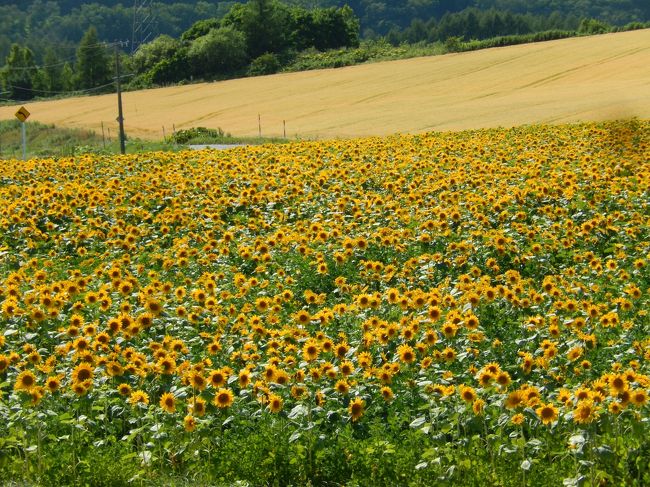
[
  {"x": 48, "y": 92},
  {"x": 33, "y": 68},
  {"x": 61, "y": 63},
  {"x": 144, "y": 23}
]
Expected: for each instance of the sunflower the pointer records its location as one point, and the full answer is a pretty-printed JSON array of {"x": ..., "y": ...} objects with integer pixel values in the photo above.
[
  {"x": 406, "y": 353},
  {"x": 310, "y": 350},
  {"x": 449, "y": 354},
  {"x": 387, "y": 393},
  {"x": 467, "y": 393},
  {"x": 168, "y": 402},
  {"x": 449, "y": 330},
  {"x": 124, "y": 389},
  {"x": 298, "y": 392},
  {"x": 53, "y": 383},
  {"x": 585, "y": 412},
  {"x": 223, "y": 398},
  {"x": 342, "y": 387},
  {"x": 4, "y": 363},
  {"x": 341, "y": 349},
  {"x": 139, "y": 397},
  {"x": 503, "y": 379},
  {"x": 145, "y": 320},
  {"x": 196, "y": 380},
  {"x": 514, "y": 400},
  {"x": 114, "y": 369},
  {"x": 166, "y": 365},
  {"x": 485, "y": 378},
  {"x": 80, "y": 388},
  {"x": 189, "y": 423},
  {"x": 547, "y": 413},
  {"x": 198, "y": 406},
  {"x": 36, "y": 394},
  {"x": 275, "y": 403},
  {"x": 25, "y": 381},
  {"x": 356, "y": 408},
  {"x": 281, "y": 376},
  {"x": 82, "y": 372},
  {"x": 517, "y": 419},
  {"x": 616, "y": 407},
  {"x": 217, "y": 378},
  {"x": 618, "y": 383},
  {"x": 244, "y": 378},
  {"x": 302, "y": 317},
  {"x": 478, "y": 406},
  {"x": 638, "y": 397}
]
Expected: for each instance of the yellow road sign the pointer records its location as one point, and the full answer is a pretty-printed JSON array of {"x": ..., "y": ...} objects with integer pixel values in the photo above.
[{"x": 22, "y": 114}]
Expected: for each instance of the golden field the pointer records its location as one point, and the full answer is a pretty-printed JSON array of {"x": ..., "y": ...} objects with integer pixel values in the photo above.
[{"x": 590, "y": 78}]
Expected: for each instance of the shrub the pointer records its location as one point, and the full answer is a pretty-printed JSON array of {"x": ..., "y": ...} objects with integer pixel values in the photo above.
[
  {"x": 197, "y": 133},
  {"x": 265, "y": 64}
]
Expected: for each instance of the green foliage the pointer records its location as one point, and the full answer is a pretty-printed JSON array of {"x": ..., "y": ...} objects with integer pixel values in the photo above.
[
  {"x": 49, "y": 141},
  {"x": 200, "y": 28},
  {"x": 169, "y": 70},
  {"x": 220, "y": 51},
  {"x": 194, "y": 134},
  {"x": 92, "y": 67},
  {"x": 593, "y": 26},
  {"x": 286, "y": 451},
  {"x": 203, "y": 135},
  {"x": 16, "y": 76},
  {"x": 265, "y": 64},
  {"x": 149, "y": 54},
  {"x": 57, "y": 75},
  {"x": 263, "y": 23},
  {"x": 368, "y": 51},
  {"x": 511, "y": 40}
]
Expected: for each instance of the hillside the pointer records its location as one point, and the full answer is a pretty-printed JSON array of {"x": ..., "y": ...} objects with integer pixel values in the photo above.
[{"x": 589, "y": 78}]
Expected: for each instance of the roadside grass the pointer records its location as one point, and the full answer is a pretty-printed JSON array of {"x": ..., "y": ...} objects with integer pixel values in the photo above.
[{"x": 48, "y": 140}]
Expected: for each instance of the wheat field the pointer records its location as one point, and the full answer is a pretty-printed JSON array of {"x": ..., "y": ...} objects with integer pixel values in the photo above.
[{"x": 578, "y": 79}]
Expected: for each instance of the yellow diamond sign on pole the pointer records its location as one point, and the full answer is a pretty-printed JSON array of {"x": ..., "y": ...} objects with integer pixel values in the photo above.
[{"x": 22, "y": 114}]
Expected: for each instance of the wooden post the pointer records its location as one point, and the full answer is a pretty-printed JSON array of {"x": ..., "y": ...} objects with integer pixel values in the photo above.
[
  {"x": 120, "y": 115},
  {"x": 24, "y": 133},
  {"x": 103, "y": 137},
  {"x": 284, "y": 128},
  {"x": 259, "y": 125}
]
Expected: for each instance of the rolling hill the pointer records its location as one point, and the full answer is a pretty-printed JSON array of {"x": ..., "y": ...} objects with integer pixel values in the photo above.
[{"x": 586, "y": 78}]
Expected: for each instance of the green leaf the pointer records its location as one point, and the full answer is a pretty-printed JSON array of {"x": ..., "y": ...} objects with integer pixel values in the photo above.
[{"x": 417, "y": 422}]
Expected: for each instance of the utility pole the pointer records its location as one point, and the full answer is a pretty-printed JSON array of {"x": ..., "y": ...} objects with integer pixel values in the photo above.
[{"x": 120, "y": 114}]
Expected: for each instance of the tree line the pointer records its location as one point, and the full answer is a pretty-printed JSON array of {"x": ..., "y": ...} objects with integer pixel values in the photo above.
[
  {"x": 39, "y": 23},
  {"x": 250, "y": 39}
]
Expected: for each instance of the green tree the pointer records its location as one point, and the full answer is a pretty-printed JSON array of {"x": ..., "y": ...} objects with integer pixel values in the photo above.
[
  {"x": 67, "y": 80},
  {"x": 265, "y": 23},
  {"x": 151, "y": 53},
  {"x": 200, "y": 28},
  {"x": 221, "y": 51},
  {"x": 52, "y": 71},
  {"x": 17, "y": 74},
  {"x": 93, "y": 61},
  {"x": 335, "y": 27}
]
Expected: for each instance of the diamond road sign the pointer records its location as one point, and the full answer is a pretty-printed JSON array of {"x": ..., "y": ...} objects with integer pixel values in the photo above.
[{"x": 22, "y": 114}]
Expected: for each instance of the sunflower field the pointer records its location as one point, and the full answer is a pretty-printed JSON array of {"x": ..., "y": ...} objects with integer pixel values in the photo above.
[{"x": 448, "y": 308}]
